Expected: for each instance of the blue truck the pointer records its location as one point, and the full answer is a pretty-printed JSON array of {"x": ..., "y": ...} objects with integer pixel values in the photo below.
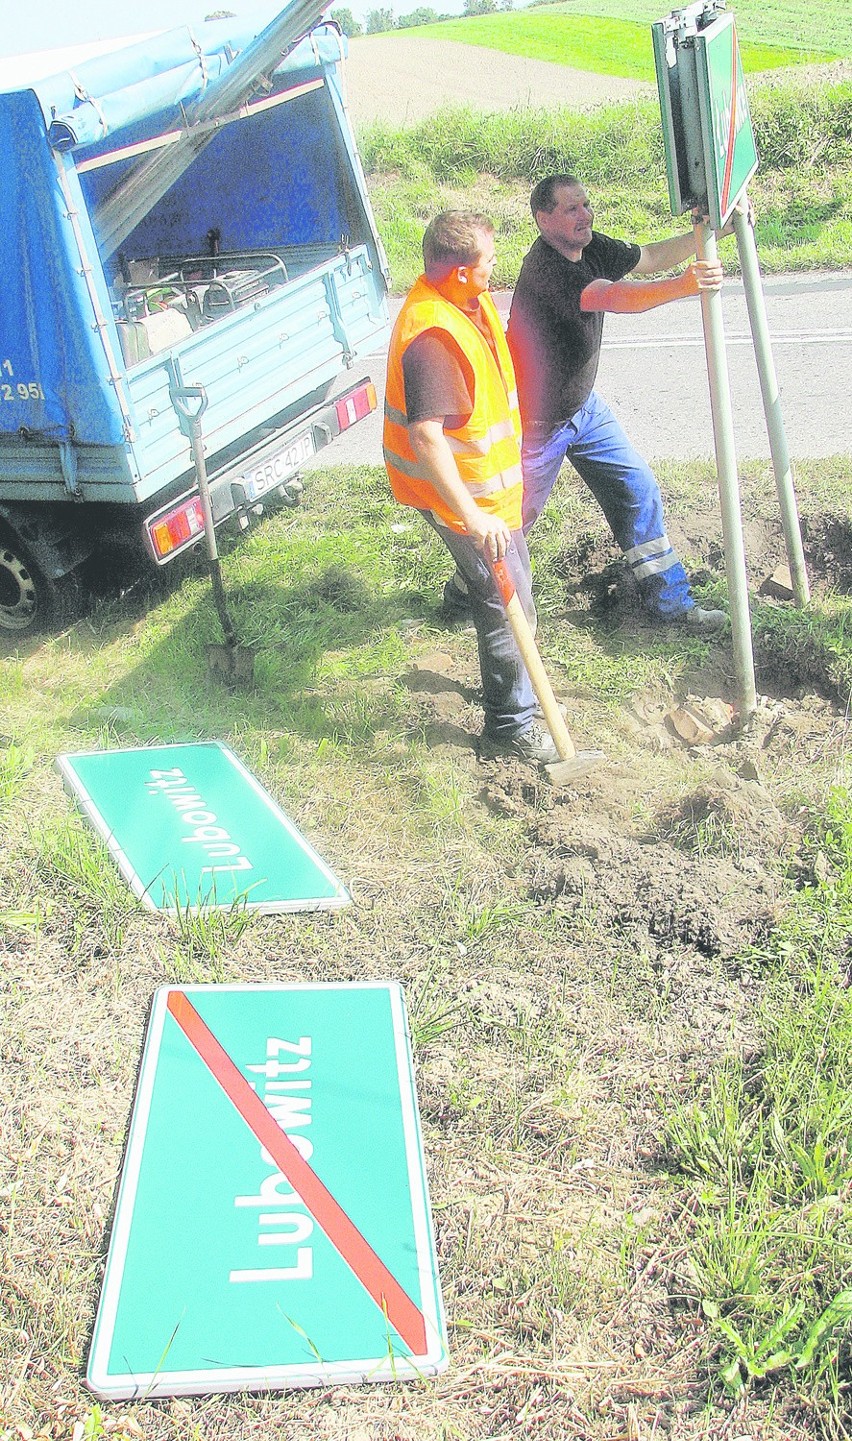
[{"x": 184, "y": 215}]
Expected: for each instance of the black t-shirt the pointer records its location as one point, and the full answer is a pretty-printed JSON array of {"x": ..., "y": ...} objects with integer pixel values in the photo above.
[
  {"x": 555, "y": 345},
  {"x": 438, "y": 379}
]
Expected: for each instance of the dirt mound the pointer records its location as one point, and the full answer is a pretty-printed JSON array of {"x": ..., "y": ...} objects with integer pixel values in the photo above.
[
  {"x": 829, "y": 542},
  {"x": 402, "y": 80},
  {"x": 643, "y": 887}
]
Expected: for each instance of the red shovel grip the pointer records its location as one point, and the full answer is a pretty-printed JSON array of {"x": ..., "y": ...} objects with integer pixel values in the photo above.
[{"x": 505, "y": 584}]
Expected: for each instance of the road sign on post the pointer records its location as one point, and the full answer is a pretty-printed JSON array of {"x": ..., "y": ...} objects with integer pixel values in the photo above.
[
  {"x": 699, "y": 98},
  {"x": 710, "y": 157},
  {"x": 707, "y": 131},
  {"x": 730, "y": 155}
]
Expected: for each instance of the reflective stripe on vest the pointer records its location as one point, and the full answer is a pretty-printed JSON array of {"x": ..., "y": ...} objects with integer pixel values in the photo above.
[
  {"x": 502, "y": 480},
  {"x": 503, "y": 430}
]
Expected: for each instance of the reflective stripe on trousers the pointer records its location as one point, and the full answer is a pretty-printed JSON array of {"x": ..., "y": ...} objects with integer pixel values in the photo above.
[{"x": 626, "y": 490}]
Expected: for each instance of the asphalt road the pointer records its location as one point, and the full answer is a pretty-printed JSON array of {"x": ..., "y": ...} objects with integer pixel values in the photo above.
[{"x": 653, "y": 373}]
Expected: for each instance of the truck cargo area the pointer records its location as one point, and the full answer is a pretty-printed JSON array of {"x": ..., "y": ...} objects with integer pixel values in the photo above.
[{"x": 190, "y": 211}]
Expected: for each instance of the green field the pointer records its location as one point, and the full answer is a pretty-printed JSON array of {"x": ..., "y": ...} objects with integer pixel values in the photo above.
[
  {"x": 802, "y": 24},
  {"x": 606, "y": 46}
]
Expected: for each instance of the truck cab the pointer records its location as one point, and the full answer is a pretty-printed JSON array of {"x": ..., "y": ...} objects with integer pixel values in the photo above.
[{"x": 186, "y": 211}]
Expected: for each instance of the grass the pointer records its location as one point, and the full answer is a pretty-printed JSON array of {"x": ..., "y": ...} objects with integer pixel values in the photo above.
[
  {"x": 628, "y": 1001},
  {"x": 606, "y": 46},
  {"x": 764, "y": 1146}
]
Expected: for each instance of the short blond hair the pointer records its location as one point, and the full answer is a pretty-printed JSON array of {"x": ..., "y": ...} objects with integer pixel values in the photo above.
[{"x": 454, "y": 238}]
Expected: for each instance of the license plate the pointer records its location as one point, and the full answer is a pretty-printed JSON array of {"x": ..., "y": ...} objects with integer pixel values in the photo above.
[{"x": 279, "y": 467}]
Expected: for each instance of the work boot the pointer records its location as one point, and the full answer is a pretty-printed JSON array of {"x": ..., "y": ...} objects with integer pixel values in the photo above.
[
  {"x": 535, "y": 744},
  {"x": 705, "y": 622}
]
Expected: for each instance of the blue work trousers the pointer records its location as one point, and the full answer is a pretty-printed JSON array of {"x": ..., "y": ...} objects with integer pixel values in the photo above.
[
  {"x": 626, "y": 491},
  {"x": 507, "y": 694}
]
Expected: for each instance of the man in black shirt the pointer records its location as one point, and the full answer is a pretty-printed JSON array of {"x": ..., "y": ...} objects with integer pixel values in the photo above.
[{"x": 571, "y": 276}]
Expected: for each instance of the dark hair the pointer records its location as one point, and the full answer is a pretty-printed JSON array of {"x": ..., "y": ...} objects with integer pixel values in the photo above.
[
  {"x": 454, "y": 238},
  {"x": 544, "y": 194}
]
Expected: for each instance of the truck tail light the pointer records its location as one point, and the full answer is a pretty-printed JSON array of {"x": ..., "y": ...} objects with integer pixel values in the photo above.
[
  {"x": 356, "y": 405},
  {"x": 177, "y": 528}
]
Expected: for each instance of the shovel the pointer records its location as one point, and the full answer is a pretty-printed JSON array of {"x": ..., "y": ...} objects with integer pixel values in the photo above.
[
  {"x": 233, "y": 662},
  {"x": 572, "y": 763}
]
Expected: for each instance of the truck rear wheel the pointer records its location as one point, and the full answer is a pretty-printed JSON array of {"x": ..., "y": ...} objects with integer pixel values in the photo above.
[{"x": 30, "y": 600}]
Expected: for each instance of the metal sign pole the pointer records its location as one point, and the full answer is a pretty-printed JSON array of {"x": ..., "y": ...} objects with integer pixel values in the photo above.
[
  {"x": 771, "y": 403},
  {"x": 729, "y": 489}
]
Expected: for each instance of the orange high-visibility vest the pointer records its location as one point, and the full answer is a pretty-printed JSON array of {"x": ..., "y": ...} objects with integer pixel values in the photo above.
[{"x": 486, "y": 448}]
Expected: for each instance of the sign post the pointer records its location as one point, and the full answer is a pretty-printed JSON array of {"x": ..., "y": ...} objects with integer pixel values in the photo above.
[
  {"x": 710, "y": 157},
  {"x": 772, "y": 406},
  {"x": 729, "y": 487}
]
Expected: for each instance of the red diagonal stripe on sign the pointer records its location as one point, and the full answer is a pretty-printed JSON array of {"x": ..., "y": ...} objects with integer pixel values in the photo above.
[
  {"x": 406, "y": 1319},
  {"x": 732, "y": 129}
]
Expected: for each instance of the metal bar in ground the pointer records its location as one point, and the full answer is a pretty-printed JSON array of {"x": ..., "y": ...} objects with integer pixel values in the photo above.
[
  {"x": 729, "y": 489},
  {"x": 755, "y": 300}
]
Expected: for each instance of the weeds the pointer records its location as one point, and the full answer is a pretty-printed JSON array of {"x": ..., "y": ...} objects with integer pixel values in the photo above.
[
  {"x": 766, "y": 1143},
  {"x": 812, "y": 648},
  {"x": 206, "y": 936},
  {"x": 15, "y": 763},
  {"x": 74, "y": 860},
  {"x": 429, "y": 1015}
]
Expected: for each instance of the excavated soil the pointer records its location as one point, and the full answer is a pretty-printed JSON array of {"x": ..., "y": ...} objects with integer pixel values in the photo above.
[{"x": 697, "y": 878}]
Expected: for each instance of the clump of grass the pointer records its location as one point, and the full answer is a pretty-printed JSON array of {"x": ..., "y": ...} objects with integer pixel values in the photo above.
[
  {"x": 206, "y": 936},
  {"x": 811, "y": 649},
  {"x": 75, "y": 862},
  {"x": 763, "y": 1151},
  {"x": 15, "y": 763},
  {"x": 430, "y": 1015}
]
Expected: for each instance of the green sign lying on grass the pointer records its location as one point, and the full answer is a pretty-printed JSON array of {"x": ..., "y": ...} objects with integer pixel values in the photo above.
[
  {"x": 190, "y": 827},
  {"x": 272, "y": 1227}
]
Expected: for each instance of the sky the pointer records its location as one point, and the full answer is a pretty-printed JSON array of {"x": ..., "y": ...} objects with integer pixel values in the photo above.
[{"x": 50, "y": 24}]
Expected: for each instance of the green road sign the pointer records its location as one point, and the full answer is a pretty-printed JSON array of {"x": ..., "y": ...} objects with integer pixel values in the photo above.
[
  {"x": 730, "y": 156},
  {"x": 272, "y": 1227},
  {"x": 707, "y": 132},
  {"x": 190, "y": 827}
]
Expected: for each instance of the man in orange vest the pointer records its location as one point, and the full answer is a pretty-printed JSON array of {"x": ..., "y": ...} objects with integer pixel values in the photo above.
[{"x": 452, "y": 451}]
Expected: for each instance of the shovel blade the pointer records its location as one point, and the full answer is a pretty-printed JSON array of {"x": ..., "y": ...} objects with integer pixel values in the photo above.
[
  {"x": 562, "y": 773},
  {"x": 234, "y": 664}
]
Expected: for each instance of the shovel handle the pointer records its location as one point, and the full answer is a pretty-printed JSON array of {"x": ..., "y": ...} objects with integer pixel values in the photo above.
[
  {"x": 525, "y": 641},
  {"x": 181, "y": 397}
]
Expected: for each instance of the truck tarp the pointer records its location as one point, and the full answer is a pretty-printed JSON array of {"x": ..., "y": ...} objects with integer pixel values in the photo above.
[
  {"x": 54, "y": 376},
  {"x": 57, "y": 377}
]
